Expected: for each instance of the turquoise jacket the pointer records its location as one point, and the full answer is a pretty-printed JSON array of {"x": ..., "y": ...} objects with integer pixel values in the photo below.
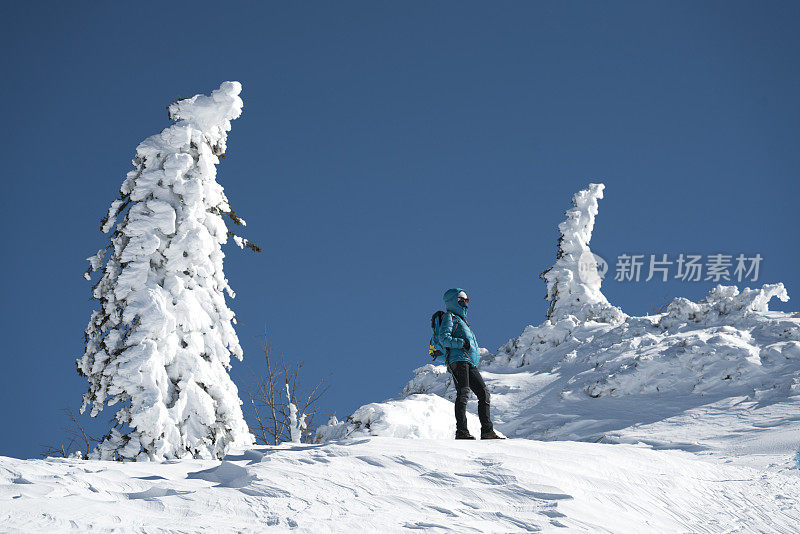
[{"x": 453, "y": 333}]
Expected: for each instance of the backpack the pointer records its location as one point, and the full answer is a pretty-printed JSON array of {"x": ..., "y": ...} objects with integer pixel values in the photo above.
[{"x": 438, "y": 353}]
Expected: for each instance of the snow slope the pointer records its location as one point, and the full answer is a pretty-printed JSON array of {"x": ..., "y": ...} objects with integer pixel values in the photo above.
[
  {"x": 402, "y": 485},
  {"x": 718, "y": 379}
]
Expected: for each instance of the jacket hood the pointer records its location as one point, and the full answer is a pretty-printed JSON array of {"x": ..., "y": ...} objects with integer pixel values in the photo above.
[{"x": 451, "y": 302}]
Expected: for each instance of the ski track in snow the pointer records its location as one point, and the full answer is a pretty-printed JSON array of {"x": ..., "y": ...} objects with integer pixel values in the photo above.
[{"x": 401, "y": 485}]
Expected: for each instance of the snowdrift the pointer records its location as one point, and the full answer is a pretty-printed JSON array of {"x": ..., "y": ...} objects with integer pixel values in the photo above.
[
  {"x": 396, "y": 485},
  {"x": 415, "y": 417}
]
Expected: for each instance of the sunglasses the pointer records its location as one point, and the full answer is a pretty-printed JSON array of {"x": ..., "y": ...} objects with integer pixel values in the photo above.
[{"x": 463, "y": 299}]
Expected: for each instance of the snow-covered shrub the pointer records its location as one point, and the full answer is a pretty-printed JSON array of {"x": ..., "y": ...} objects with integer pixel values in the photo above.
[
  {"x": 296, "y": 425},
  {"x": 159, "y": 346},
  {"x": 722, "y": 301},
  {"x": 534, "y": 341},
  {"x": 721, "y": 344},
  {"x": 429, "y": 379}
]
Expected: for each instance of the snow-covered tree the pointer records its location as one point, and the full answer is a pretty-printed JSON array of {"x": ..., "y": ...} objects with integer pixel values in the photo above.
[
  {"x": 573, "y": 283},
  {"x": 159, "y": 346}
]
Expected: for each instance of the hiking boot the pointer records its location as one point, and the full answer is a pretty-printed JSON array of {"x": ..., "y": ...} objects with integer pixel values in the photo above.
[
  {"x": 491, "y": 435},
  {"x": 465, "y": 435}
]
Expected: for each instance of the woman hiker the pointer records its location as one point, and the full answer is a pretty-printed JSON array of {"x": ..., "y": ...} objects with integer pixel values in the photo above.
[{"x": 463, "y": 355}]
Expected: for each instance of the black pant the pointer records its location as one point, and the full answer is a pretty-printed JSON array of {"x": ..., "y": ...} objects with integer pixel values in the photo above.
[{"x": 466, "y": 377}]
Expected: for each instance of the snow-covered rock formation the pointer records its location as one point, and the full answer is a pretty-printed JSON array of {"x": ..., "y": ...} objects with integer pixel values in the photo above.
[{"x": 159, "y": 346}]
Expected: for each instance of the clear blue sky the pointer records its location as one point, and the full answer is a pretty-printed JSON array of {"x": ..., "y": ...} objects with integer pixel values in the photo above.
[{"x": 388, "y": 151}]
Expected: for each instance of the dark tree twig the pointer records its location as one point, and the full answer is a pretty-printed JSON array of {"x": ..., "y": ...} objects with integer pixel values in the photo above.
[{"x": 76, "y": 436}]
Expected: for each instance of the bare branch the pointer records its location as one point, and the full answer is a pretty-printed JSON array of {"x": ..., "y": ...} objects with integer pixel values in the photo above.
[
  {"x": 269, "y": 407},
  {"x": 661, "y": 307},
  {"x": 76, "y": 435}
]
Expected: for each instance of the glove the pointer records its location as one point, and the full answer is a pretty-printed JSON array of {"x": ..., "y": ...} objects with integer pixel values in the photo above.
[{"x": 466, "y": 345}]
